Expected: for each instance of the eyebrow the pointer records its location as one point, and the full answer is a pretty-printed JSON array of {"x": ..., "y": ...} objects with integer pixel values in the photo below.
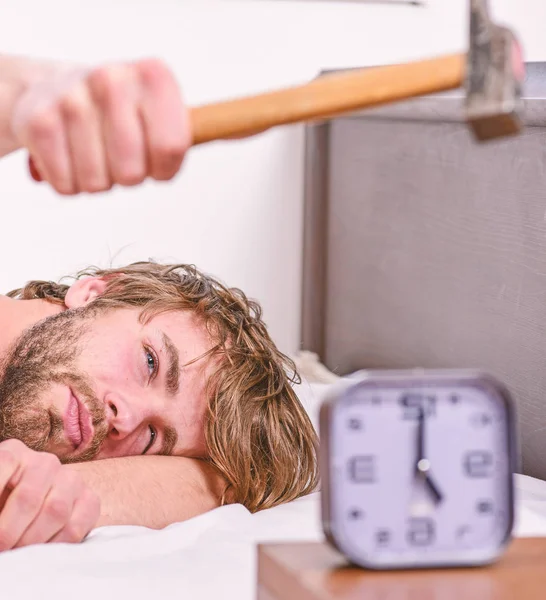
[
  {"x": 170, "y": 437},
  {"x": 172, "y": 378}
]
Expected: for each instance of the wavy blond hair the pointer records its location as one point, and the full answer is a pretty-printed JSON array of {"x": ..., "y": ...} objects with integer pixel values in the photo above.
[{"x": 258, "y": 434}]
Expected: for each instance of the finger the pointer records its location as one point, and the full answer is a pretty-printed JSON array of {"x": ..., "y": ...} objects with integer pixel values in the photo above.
[
  {"x": 114, "y": 91},
  {"x": 85, "y": 515},
  {"x": 9, "y": 465},
  {"x": 86, "y": 146},
  {"x": 24, "y": 503},
  {"x": 56, "y": 510},
  {"x": 45, "y": 138},
  {"x": 165, "y": 120},
  {"x": 34, "y": 173}
]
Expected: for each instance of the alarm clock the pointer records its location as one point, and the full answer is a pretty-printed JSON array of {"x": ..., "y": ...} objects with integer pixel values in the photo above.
[{"x": 417, "y": 468}]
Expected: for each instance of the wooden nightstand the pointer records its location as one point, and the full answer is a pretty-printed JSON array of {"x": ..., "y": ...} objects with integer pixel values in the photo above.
[{"x": 317, "y": 572}]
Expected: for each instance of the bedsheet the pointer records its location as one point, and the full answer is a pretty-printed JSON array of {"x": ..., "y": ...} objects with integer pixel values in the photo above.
[{"x": 209, "y": 557}]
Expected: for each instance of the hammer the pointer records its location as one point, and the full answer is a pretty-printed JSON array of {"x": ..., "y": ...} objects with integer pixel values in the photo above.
[{"x": 492, "y": 73}]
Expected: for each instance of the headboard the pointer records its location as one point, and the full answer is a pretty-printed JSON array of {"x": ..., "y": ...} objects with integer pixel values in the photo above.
[{"x": 423, "y": 248}]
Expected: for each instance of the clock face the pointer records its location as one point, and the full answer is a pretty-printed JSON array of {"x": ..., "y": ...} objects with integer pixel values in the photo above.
[{"x": 420, "y": 471}]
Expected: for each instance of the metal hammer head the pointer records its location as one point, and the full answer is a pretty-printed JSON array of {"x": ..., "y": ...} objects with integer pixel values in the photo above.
[{"x": 494, "y": 78}]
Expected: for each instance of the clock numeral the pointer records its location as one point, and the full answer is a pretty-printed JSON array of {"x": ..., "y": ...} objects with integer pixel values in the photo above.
[
  {"x": 462, "y": 531},
  {"x": 355, "y": 514},
  {"x": 484, "y": 507},
  {"x": 355, "y": 424},
  {"x": 414, "y": 403},
  {"x": 481, "y": 419},
  {"x": 422, "y": 532},
  {"x": 478, "y": 464},
  {"x": 362, "y": 469},
  {"x": 383, "y": 537}
]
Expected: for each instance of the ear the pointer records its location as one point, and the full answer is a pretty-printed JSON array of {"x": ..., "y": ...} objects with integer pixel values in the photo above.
[{"x": 84, "y": 291}]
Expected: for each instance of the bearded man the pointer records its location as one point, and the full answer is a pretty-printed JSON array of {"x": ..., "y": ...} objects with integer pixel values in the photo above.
[{"x": 140, "y": 395}]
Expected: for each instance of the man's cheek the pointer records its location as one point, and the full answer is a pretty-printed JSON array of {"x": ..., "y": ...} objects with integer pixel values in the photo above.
[
  {"x": 112, "y": 364},
  {"x": 116, "y": 449}
]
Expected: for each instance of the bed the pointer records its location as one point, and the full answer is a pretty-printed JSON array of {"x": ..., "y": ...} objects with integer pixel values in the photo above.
[
  {"x": 209, "y": 557},
  {"x": 420, "y": 250}
]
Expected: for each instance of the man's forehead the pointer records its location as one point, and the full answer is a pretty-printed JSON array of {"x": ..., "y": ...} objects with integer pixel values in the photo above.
[
  {"x": 177, "y": 323},
  {"x": 146, "y": 317},
  {"x": 179, "y": 328},
  {"x": 183, "y": 330}
]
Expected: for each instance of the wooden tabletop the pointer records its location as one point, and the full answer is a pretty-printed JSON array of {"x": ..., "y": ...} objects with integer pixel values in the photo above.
[{"x": 317, "y": 572}]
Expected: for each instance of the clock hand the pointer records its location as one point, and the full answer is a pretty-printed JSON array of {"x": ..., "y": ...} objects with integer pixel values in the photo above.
[
  {"x": 434, "y": 489},
  {"x": 424, "y": 467},
  {"x": 422, "y": 464},
  {"x": 420, "y": 441}
]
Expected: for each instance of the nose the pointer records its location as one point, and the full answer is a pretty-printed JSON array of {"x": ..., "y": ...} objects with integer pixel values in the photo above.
[{"x": 123, "y": 416}]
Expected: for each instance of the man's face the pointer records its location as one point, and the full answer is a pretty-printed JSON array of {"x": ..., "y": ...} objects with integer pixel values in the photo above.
[{"x": 90, "y": 383}]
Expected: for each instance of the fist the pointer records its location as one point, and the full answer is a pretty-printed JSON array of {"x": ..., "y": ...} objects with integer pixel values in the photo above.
[
  {"x": 88, "y": 129},
  {"x": 40, "y": 500}
]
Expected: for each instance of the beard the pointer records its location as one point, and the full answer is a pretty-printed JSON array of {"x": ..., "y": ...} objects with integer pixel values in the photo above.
[{"x": 44, "y": 355}]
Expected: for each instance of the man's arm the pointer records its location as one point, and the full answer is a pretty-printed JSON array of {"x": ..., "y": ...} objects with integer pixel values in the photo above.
[
  {"x": 153, "y": 491},
  {"x": 43, "y": 501},
  {"x": 15, "y": 76}
]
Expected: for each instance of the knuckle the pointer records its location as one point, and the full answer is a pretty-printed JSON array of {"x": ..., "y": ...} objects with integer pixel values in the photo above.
[
  {"x": 77, "y": 529},
  {"x": 13, "y": 445},
  {"x": 48, "y": 460},
  {"x": 27, "y": 499},
  {"x": 74, "y": 532},
  {"x": 7, "y": 458},
  {"x": 11, "y": 452},
  {"x": 152, "y": 68},
  {"x": 57, "y": 508},
  {"x": 74, "y": 106},
  {"x": 100, "y": 81},
  {"x": 106, "y": 81},
  {"x": 169, "y": 156},
  {"x": 153, "y": 63},
  {"x": 42, "y": 126}
]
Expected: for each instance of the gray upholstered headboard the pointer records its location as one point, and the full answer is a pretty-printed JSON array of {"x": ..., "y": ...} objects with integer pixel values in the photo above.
[{"x": 424, "y": 249}]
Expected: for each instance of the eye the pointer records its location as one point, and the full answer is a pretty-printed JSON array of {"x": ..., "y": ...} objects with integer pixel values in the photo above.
[
  {"x": 152, "y": 362},
  {"x": 153, "y": 436}
]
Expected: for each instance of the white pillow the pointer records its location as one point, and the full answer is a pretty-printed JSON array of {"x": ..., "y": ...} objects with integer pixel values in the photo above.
[{"x": 311, "y": 395}]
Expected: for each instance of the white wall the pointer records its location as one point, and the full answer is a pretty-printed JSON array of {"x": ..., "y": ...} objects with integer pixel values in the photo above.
[{"x": 236, "y": 208}]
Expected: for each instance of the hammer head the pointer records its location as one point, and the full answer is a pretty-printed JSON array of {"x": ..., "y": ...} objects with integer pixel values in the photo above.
[{"x": 495, "y": 76}]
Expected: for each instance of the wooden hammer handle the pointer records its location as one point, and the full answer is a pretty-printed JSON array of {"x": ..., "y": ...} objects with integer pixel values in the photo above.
[{"x": 326, "y": 97}]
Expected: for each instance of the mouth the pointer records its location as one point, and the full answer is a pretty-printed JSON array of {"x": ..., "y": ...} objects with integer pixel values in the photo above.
[{"x": 77, "y": 423}]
